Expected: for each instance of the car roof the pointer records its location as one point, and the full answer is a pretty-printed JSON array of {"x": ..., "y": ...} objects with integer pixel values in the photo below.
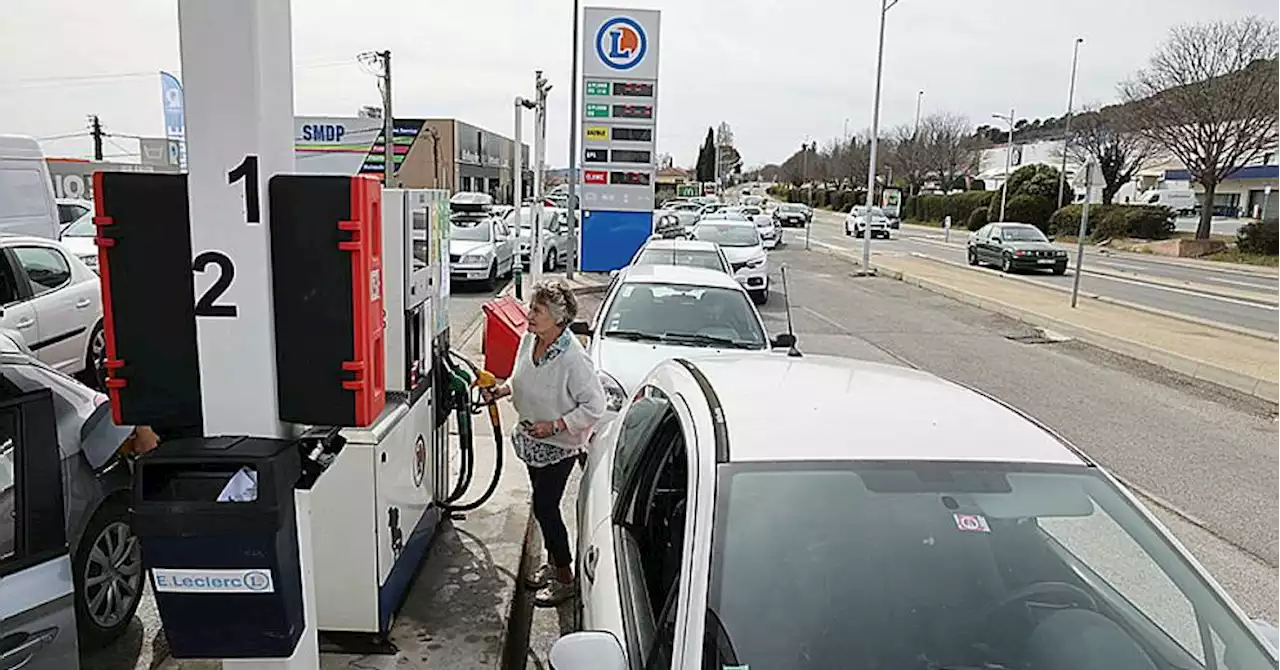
[
  {"x": 824, "y": 408},
  {"x": 1014, "y": 224},
  {"x": 677, "y": 274},
  {"x": 724, "y": 220},
  {"x": 13, "y": 238},
  {"x": 680, "y": 245}
]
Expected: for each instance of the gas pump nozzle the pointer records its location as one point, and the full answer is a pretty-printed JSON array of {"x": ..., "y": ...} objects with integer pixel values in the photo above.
[{"x": 319, "y": 446}]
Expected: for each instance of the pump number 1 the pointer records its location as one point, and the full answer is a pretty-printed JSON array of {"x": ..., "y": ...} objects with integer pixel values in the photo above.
[{"x": 207, "y": 305}]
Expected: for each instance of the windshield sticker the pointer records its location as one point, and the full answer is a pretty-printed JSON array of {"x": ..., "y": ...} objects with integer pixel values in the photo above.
[
  {"x": 737, "y": 667},
  {"x": 972, "y": 523}
]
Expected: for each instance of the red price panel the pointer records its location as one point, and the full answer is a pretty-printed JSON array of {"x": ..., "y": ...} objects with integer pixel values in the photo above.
[
  {"x": 595, "y": 177},
  {"x": 632, "y": 89},
  {"x": 629, "y": 178},
  {"x": 633, "y": 111}
]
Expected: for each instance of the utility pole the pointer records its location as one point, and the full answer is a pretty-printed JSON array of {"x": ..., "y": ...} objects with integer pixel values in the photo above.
[
  {"x": 518, "y": 186},
  {"x": 572, "y": 264},
  {"x": 885, "y": 6},
  {"x": 804, "y": 176},
  {"x": 95, "y": 128},
  {"x": 388, "y": 121},
  {"x": 1008, "y": 161},
  {"x": 1066, "y": 138},
  {"x": 541, "y": 87}
]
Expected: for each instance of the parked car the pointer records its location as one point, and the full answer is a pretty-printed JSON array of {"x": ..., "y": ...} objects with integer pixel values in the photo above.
[
  {"x": 481, "y": 248},
  {"x": 27, "y": 206},
  {"x": 685, "y": 214},
  {"x": 1182, "y": 201},
  {"x": 60, "y": 455},
  {"x": 555, "y": 235},
  {"x": 691, "y": 253},
  {"x": 725, "y": 520},
  {"x": 860, "y": 219},
  {"x": 791, "y": 214},
  {"x": 752, "y": 201},
  {"x": 70, "y": 209},
  {"x": 655, "y": 312},
  {"x": 1015, "y": 246},
  {"x": 80, "y": 238},
  {"x": 770, "y": 234},
  {"x": 53, "y": 299},
  {"x": 741, "y": 243}
]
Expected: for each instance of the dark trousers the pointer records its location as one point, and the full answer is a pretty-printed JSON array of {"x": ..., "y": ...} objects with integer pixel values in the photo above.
[{"x": 548, "y": 489}]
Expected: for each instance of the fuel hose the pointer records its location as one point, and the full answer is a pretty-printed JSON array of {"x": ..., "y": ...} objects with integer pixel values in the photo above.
[{"x": 466, "y": 393}]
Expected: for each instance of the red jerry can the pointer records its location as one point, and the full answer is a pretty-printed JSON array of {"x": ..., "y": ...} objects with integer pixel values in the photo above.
[{"x": 505, "y": 321}]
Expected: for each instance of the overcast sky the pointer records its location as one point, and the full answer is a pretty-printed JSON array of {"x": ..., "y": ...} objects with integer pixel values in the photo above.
[{"x": 775, "y": 70}]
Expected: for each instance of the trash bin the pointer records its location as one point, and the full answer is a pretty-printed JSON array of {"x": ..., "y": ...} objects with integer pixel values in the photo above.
[
  {"x": 226, "y": 575},
  {"x": 505, "y": 320}
]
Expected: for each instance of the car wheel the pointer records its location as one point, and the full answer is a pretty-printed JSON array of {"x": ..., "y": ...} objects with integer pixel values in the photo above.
[
  {"x": 858, "y": 234},
  {"x": 1060, "y": 269},
  {"x": 108, "y": 576},
  {"x": 550, "y": 263},
  {"x": 972, "y": 257},
  {"x": 847, "y": 232},
  {"x": 1006, "y": 263},
  {"x": 760, "y": 296},
  {"x": 492, "y": 281},
  {"x": 95, "y": 360}
]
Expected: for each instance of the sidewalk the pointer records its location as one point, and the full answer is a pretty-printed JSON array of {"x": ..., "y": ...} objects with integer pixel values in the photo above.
[{"x": 1234, "y": 360}]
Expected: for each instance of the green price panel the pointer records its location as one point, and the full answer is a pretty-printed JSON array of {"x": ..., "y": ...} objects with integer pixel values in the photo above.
[
  {"x": 597, "y": 111},
  {"x": 598, "y": 88}
]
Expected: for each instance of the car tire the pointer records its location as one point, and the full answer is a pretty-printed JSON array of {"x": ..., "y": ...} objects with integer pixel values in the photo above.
[
  {"x": 760, "y": 296},
  {"x": 492, "y": 281},
  {"x": 847, "y": 232},
  {"x": 1060, "y": 269},
  {"x": 95, "y": 360},
  {"x": 858, "y": 235},
  {"x": 108, "y": 554},
  {"x": 549, "y": 264},
  {"x": 1006, "y": 264},
  {"x": 972, "y": 257}
]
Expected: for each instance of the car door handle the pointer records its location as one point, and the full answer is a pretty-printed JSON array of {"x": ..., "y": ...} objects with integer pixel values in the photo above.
[
  {"x": 83, "y": 302},
  {"x": 17, "y": 650},
  {"x": 26, "y": 323},
  {"x": 589, "y": 565}
]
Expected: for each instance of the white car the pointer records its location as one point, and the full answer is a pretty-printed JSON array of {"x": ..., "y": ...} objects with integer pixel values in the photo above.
[
  {"x": 770, "y": 233},
  {"x": 857, "y": 221},
  {"x": 555, "y": 235},
  {"x": 71, "y": 209},
  {"x": 689, "y": 253},
  {"x": 481, "y": 248},
  {"x": 684, "y": 214},
  {"x": 80, "y": 238},
  {"x": 655, "y": 312},
  {"x": 741, "y": 243},
  {"x": 53, "y": 300},
  {"x": 821, "y": 512}
]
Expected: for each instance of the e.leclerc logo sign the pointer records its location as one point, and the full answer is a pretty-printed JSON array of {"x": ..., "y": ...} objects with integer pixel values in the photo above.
[
  {"x": 172, "y": 580},
  {"x": 621, "y": 43}
]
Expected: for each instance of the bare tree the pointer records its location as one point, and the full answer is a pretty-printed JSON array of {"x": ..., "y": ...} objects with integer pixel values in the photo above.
[
  {"x": 1208, "y": 97},
  {"x": 951, "y": 149},
  {"x": 906, "y": 153},
  {"x": 1102, "y": 136}
]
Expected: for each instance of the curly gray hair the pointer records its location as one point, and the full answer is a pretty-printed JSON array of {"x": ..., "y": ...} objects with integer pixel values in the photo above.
[{"x": 558, "y": 299}]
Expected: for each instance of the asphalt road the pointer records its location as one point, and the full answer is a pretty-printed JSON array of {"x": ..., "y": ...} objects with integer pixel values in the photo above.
[
  {"x": 1203, "y": 460},
  {"x": 828, "y": 229}
]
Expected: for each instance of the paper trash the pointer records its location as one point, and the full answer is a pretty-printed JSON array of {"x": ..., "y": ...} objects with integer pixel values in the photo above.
[{"x": 242, "y": 487}]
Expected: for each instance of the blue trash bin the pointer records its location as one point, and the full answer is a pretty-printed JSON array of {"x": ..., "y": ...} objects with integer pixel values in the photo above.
[{"x": 226, "y": 575}]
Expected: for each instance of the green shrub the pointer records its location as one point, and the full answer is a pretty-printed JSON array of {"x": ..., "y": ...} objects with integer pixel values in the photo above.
[
  {"x": 1034, "y": 179},
  {"x": 1148, "y": 222},
  {"x": 978, "y": 218},
  {"x": 1259, "y": 237},
  {"x": 937, "y": 207},
  {"x": 1032, "y": 209}
]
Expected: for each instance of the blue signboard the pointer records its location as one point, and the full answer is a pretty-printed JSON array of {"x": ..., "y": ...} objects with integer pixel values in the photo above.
[{"x": 175, "y": 121}]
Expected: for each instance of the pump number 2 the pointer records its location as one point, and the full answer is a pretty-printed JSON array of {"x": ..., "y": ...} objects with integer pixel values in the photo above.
[{"x": 207, "y": 305}]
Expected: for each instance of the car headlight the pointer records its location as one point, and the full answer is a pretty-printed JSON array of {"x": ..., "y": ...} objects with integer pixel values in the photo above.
[
  {"x": 757, "y": 261},
  {"x": 1060, "y": 253},
  {"x": 91, "y": 260},
  {"x": 474, "y": 259},
  {"x": 615, "y": 396}
]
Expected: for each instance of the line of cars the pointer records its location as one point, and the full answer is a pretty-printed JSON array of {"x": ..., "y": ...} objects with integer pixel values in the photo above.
[
  {"x": 746, "y": 505},
  {"x": 486, "y": 241}
]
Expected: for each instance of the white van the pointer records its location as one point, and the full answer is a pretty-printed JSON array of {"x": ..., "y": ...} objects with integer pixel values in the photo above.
[
  {"x": 27, "y": 206},
  {"x": 1181, "y": 201}
]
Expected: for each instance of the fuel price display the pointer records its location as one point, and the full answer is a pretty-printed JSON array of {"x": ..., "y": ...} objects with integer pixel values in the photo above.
[
  {"x": 633, "y": 111},
  {"x": 632, "y": 89},
  {"x": 629, "y": 178}
]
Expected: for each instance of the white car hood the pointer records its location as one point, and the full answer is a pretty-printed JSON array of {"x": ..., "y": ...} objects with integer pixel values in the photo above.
[
  {"x": 629, "y": 362},
  {"x": 464, "y": 247},
  {"x": 742, "y": 254}
]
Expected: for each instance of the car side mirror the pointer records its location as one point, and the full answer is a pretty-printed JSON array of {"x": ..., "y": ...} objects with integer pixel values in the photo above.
[
  {"x": 1050, "y": 238},
  {"x": 995, "y": 240},
  {"x": 613, "y": 273},
  {"x": 587, "y": 650},
  {"x": 580, "y": 328},
  {"x": 783, "y": 341}
]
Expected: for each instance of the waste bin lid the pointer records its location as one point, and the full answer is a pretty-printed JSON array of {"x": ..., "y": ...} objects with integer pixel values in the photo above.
[{"x": 224, "y": 447}]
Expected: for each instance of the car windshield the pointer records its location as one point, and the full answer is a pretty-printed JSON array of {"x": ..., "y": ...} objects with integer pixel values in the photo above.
[
  {"x": 81, "y": 227},
  {"x": 877, "y": 214},
  {"x": 684, "y": 315},
  {"x": 698, "y": 258},
  {"x": 750, "y": 211},
  {"x": 470, "y": 229},
  {"x": 727, "y": 234},
  {"x": 795, "y": 209},
  {"x": 1022, "y": 234},
  {"x": 957, "y": 566}
]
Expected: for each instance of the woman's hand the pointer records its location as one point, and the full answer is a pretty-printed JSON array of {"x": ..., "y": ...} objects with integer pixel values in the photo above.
[
  {"x": 543, "y": 429},
  {"x": 494, "y": 394}
]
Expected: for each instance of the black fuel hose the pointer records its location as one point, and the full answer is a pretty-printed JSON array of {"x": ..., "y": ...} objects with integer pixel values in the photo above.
[{"x": 464, "y": 405}]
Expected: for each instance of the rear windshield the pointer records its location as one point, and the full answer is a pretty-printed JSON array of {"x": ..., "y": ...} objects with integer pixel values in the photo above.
[{"x": 694, "y": 258}]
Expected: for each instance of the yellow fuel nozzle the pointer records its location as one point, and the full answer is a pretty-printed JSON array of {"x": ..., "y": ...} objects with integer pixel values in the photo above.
[{"x": 485, "y": 380}]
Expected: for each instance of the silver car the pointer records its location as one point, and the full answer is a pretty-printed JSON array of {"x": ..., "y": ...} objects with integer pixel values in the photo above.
[
  {"x": 481, "y": 248},
  {"x": 555, "y": 235},
  {"x": 77, "y": 582},
  {"x": 817, "y": 512}
]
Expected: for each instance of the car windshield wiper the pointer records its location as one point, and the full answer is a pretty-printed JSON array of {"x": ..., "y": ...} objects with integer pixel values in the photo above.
[
  {"x": 711, "y": 339},
  {"x": 635, "y": 335}
]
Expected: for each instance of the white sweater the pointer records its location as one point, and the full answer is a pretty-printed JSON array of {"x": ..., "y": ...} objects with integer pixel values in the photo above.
[{"x": 565, "y": 387}]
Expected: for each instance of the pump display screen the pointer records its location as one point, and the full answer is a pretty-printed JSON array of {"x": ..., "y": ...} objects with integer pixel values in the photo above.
[
  {"x": 632, "y": 156},
  {"x": 421, "y": 220},
  {"x": 633, "y": 134},
  {"x": 633, "y": 111},
  {"x": 632, "y": 89},
  {"x": 629, "y": 178}
]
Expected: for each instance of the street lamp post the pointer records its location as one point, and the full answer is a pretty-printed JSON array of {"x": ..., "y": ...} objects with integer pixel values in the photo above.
[
  {"x": 885, "y": 6},
  {"x": 1066, "y": 138},
  {"x": 574, "y": 217},
  {"x": 916, "y": 130},
  {"x": 804, "y": 176},
  {"x": 1008, "y": 162}
]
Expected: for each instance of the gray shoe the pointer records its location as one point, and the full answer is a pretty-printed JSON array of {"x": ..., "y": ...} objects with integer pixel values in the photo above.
[
  {"x": 555, "y": 593},
  {"x": 540, "y": 577}
]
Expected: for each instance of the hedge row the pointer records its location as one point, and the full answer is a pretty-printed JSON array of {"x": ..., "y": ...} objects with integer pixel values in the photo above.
[
  {"x": 956, "y": 205},
  {"x": 1259, "y": 237},
  {"x": 838, "y": 200},
  {"x": 1147, "y": 222}
]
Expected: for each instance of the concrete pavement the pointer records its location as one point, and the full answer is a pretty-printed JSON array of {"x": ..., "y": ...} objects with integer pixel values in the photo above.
[
  {"x": 1203, "y": 460},
  {"x": 1231, "y": 296}
]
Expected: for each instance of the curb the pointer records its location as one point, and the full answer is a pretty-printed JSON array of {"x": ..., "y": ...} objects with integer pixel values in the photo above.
[
  {"x": 1239, "y": 330},
  {"x": 1196, "y": 369},
  {"x": 1207, "y": 289}
]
